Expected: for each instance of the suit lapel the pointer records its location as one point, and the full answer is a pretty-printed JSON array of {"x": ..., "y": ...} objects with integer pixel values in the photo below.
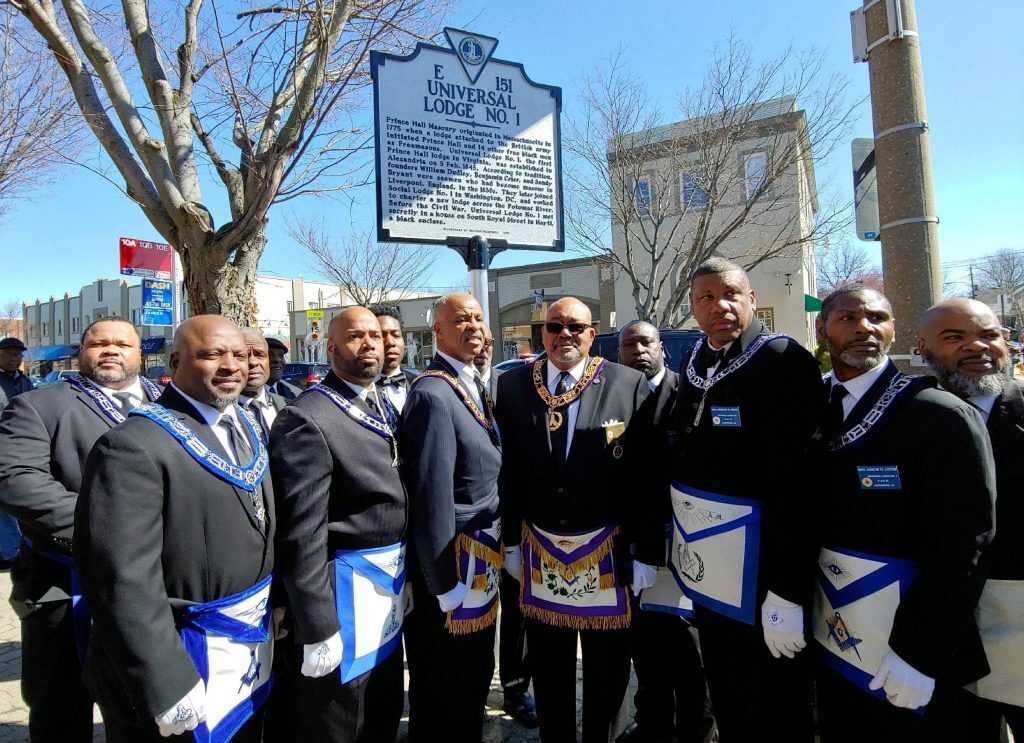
[
  {"x": 665, "y": 389},
  {"x": 1003, "y": 426},
  {"x": 188, "y": 415},
  {"x": 91, "y": 404},
  {"x": 586, "y": 418}
]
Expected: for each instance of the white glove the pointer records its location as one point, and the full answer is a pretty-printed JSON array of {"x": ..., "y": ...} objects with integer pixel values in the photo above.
[
  {"x": 783, "y": 625},
  {"x": 905, "y": 686},
  {"x": 320, "y": 658},
  {"x": 186, "y": 714},
  {"x": 644, "y": 576},
  {"x": 452, "y": 599},
  {"x": 514, "y": 562}
]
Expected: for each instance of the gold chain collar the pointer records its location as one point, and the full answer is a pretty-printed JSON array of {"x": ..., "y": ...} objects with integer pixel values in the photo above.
[{"x": 566, "y": 398}]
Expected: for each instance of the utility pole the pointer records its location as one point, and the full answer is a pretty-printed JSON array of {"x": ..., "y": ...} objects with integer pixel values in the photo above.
[{"x": 906, "y": 201}]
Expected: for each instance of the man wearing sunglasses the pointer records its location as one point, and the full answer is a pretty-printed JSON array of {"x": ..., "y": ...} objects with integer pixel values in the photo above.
[{"x": 572, "y": 517}]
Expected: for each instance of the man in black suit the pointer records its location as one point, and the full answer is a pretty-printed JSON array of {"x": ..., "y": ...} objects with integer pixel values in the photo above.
[
  {"x": 45, "y": 437},
  {"x": 513, "y": 669},
  {"x": 907, "y": 509},
  {"x": 341, "y": 542},
  {"x": 174, "y": 532},
  {"x": 451, "y": 456},
  {"x": 258, "y": 396},
  {"x": 571, "y": 519},
  {"x": 278, "y": 350},
  {"x": 394, "y": 381},
  {"x": 964, "y": 345},
  {"x": 671, "y": 698},
  {"x": 748, "y": 406}
]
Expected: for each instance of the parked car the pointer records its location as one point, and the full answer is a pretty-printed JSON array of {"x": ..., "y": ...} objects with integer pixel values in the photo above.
[
  {"x": 677, "y": 345},
  {"x": 159, "y": 374},
  {"x": 57, "y": 375},
  {"x": 303, "y": 374},
  {"x": 523, "y": 360}
]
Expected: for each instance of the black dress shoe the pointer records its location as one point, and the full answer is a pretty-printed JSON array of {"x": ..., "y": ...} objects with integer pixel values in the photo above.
[
  {"x": 635, "y": 734},
  {"x": 520, "y": 707}
]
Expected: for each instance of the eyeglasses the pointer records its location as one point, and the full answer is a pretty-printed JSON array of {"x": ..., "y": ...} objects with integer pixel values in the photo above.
[{"x": 555, "y": 328}]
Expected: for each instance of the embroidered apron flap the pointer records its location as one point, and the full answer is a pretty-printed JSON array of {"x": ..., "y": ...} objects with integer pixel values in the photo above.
[
  {"x": 715, "y": 546},
  {"x": 479, "y": 560},
  {"x": 854, "y": 608},
  {"x": 229, "y": 642},
  {"x": 370, "y": 600}
]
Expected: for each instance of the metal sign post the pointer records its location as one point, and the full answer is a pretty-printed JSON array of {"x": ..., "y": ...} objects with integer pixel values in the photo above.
[{"x": 468, "y": 153}]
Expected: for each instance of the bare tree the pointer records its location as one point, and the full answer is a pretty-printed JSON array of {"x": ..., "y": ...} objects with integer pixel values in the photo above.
[
  {"x": 10, "y": 319},
  {"x": 842, "y": 263},
  {"x": 270, "y": 97},
  {"x": 371, "y": 273},
  {"x": 1003, "y": 274},
  {"x": 39, "y": 125},
  {"x": 675, "y": 195}
]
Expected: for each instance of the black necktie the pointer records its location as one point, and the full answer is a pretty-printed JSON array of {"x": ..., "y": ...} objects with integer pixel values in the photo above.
[
  {"x": 124, "y": 403},
  {"x": 257, "y": 412},
  {"x": 835, "y": 408},
  {"x": 560, "y": 436},
  {"x": 238, "y": 444},
  {"x": 485, "y": 399},
  {"x": 711, "y": 358},
  {"x": 395, "y": 380}
]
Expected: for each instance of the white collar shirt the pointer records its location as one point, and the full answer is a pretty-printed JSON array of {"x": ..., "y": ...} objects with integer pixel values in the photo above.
[
  {"x": 467, "y": 374},
  {"x": 857, "y": 387},
  {"x": 212, "y": 417},
  {"x": 655, "y": 381},
  {"x": 572, "y": 413},
  {"x": 714, "y": 367},
  {"x": 264, "y": 403},
  {"x": 134, "y": 390},
  {"x": 984, "y": 402},
  {"x": 396, "y": 393}
]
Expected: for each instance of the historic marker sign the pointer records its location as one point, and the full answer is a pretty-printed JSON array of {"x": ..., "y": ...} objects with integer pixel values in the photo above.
[{"x": 466, "y": 145}]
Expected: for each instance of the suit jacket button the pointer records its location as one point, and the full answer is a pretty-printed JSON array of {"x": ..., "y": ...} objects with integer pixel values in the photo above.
[
  {"x": 563, "y": 522},
  {"x": 560, "y": 491},
  {"x": 689, "y": 429}
]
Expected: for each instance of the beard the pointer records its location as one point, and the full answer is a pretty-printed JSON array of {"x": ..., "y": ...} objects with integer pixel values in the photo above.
[
  {"x": 111, "y": 376},
  {"x": 963, "y": 385},
  {"x": 222, "y": 402},
  {"x": 855, "y": 361}
]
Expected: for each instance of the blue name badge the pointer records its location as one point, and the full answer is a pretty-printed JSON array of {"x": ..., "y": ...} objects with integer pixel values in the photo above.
[
  {"x": 725, "y": 417},
  {"x": 879, "y": 477}
]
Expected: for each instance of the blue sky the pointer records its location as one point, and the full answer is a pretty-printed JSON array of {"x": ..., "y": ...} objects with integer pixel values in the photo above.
[{"x": 66, "y": 234}]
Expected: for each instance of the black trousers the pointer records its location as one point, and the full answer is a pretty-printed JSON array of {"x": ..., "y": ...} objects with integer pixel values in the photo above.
[
  {"x": 513, "y": 669},
  {"x": 449, "y": 675},
  {"x": 985, "y": 719},
  {"x": 755, "y": 696},
  {"x": 119, "y": 731},
  {"x": 365, "y": 710},
  {"x": 671, "y": 694},
  {"x": 279, "y": 721},
  {"x": 60, "y": 706},
  {"x": 848, "y": 714},
  {"x": 552, "y": 652}
]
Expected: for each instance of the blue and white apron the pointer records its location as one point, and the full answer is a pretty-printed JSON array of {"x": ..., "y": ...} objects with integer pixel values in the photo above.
[
  {"x": 369, "y": 591},
  {"x": 478, "y": 560},
  {"x": 715, "y": 550},
  {"x": 854, "y": 609},
  {"x": 230, "y": 644},
  {"x": 570, "y": 580},
  {"x": 666, "y": 595}
]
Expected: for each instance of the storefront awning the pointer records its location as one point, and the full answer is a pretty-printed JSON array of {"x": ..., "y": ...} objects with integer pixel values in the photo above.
[{"x": 50, "y": 353}]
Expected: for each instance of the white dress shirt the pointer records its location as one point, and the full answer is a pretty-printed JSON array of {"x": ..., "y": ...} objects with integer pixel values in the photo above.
[
  {"x": 714, "y": 367},
  {"x": 984, "y": 402},
  {"x": 654, "y": 381},
  {"x": 467, "y": 375},
  {"x": 264, "y": 403},
  {"x": 137, "y": 396},
  {"x": 857, "y": 387},
  {"x": 575, "y": 374},
  {"x": 212, "y": 417},
  {"x": 396, "y": 393}
]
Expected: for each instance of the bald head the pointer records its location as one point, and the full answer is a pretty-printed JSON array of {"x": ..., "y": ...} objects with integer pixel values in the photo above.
[
  {"x": 568, "y": 333},
  {"x": 640, "y": 347},
  {"x": 459, "y": 325},
  {"x": 210, "y": 360},
  {"x": 963, "y": 344},
  {"x": 355, "y": 346}
]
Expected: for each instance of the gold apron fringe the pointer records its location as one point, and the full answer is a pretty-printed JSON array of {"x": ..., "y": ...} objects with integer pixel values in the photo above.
[
  {"x": 463, "y": 543},
  {"x": 479, "y": 582},
  {"x": 469, "y": 626},
  {"x": 535, "y": 576},
  {"x": 571, "y": 570},
  {"x": 572, "y": 621},
  {"x": 606, "y": 581}
]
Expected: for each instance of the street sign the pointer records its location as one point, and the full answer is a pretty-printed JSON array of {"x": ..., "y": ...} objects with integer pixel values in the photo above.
[
  {"x": 865, "y": 189},
  {"x": 314, "y": 314},
  {"x": 157, "y": 303},
  {"x": 467, "y": 147},
  {"x": 146, "y": 259}
]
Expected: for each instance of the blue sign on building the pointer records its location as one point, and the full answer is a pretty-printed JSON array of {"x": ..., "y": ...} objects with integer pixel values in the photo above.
[{"x": 157, "y": 303}]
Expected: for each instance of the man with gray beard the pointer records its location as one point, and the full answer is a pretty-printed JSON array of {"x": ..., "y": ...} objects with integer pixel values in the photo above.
[
  {"x": 964, "y": 346},
  {"x": 906, "y": 511},
  {"x": 45, "y": 437}
]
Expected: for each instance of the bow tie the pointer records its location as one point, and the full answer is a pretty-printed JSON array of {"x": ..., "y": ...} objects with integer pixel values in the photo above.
[{"x": 395, "y": 380}]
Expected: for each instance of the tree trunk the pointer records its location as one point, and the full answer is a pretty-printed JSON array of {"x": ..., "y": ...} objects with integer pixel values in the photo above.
[{"x": 225, "y": 287}]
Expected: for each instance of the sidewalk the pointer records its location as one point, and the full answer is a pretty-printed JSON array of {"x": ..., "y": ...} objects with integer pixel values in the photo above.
[{"x": 499, "y": 728}]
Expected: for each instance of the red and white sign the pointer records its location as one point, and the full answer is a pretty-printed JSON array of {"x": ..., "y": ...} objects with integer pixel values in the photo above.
[{"x": 145, "y": 259}]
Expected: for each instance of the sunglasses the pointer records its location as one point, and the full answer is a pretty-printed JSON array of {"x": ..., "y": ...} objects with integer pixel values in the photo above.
[{"x": 555, "y": 328}]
